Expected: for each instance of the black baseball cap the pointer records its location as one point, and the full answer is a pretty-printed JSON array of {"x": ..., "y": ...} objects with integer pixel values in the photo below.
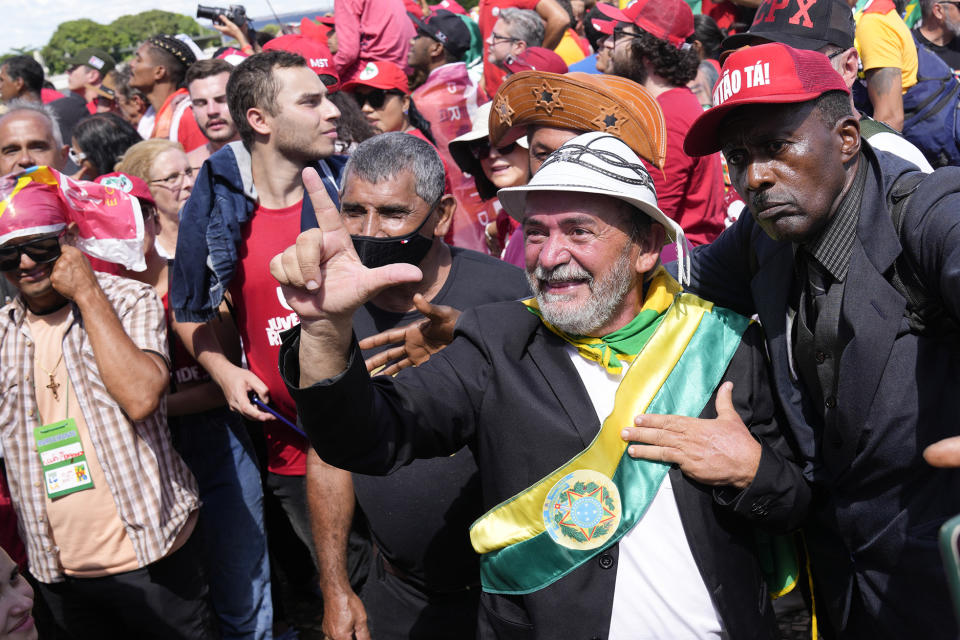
[
  {"x": 447, "y": 29},
  {"x": 799, "y": 24}
]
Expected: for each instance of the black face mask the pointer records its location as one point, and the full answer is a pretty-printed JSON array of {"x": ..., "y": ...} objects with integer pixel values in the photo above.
[{"x": 376, "y": 252}]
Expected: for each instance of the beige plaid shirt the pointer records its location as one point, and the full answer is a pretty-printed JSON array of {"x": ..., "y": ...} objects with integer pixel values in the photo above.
[{"x": 154, "y": 491}]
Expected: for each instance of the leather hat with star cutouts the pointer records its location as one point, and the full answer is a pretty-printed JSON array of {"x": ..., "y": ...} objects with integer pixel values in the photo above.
[{"x": 580, "y": 102}]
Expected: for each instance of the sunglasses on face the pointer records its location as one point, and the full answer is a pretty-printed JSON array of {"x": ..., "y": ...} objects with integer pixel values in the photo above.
[
  {"x": 480, "y": 150},
  {"x": 375, "y": 98},
  {"x": 41, "y": 251}
]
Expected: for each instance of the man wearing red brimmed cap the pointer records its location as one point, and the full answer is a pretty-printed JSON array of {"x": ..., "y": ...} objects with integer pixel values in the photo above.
[
  {"x": 829, "y": 30},
  {"x": 648, "y": 43},
  {"x": 247, "y": 201},
  {"x": 865, "y": 375},
  {"x": 581, "y": 539}
]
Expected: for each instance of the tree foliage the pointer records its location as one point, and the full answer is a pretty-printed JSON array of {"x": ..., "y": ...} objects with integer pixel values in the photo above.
[{"x": 117, "y": 38}]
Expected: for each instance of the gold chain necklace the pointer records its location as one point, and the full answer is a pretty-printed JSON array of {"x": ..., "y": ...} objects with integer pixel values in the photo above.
[{"x": 53, "y": 385}]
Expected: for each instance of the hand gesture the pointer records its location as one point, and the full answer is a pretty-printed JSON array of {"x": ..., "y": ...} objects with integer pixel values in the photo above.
[
  {"x": 72, "y": 275},
  {"x": 344, "y": 617},
  {"x": 417, "y": 341},
  {"x": 720, "y": 451},
  {"x": 945, "y": 453},
  {"x": 321, "y": 276}
]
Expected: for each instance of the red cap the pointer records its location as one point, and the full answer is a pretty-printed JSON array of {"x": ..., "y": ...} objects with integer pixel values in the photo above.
[
  {"x": 317, "y": 56},
  {"x": 670, "y": 20},
  {"x": 129, "y": 184},
  {"x": 770, "y": 73},
  {"x": 536, "y": 59},
  {"x": 314, "y": 30},
  {"x": 379, "y": 74}
]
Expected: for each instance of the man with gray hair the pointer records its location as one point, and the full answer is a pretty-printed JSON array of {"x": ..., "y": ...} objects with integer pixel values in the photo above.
[
  {"x": 514, "y": 31},
  {"x": 939, "y": 30},
  {"x": 29, "y": 136},
  {"x": 583, "y": 538},
  {"x": 423, "y": 577}
]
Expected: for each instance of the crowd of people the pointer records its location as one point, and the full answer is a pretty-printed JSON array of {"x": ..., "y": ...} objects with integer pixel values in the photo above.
[{"x": 554, "y": 318}]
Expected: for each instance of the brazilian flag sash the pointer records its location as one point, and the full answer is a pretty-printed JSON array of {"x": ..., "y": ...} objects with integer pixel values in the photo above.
[{"x": 549, "y": 529}]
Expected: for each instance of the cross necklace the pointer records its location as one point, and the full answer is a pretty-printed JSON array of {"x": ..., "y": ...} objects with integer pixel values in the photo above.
[{"x": 53, "y": 385}]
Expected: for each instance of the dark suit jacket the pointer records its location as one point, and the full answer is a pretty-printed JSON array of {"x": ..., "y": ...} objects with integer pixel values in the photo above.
[
  {"x": 877, "y": 505},
  {"x": 516, "y": 400}
]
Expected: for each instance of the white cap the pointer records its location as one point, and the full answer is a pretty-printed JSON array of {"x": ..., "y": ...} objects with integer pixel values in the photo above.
[{"x": 597, "y": 162}]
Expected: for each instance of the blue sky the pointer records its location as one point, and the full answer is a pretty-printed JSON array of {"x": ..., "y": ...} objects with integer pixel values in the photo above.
[{"x": 34, "y": 21}]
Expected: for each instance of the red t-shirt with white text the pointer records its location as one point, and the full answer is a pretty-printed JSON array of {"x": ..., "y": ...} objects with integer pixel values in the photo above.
[{"x": 262, "y": 313}]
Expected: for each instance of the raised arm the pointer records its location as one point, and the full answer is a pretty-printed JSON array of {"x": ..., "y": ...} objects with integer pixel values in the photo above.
[
  {"x": 134, "y": 378},
  {"x": 557, "y": 20},
  {"x": 324, "y": 282}
]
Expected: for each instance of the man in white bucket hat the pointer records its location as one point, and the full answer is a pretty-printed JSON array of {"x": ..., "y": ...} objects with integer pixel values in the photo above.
[{"x": 582, "y": 539}]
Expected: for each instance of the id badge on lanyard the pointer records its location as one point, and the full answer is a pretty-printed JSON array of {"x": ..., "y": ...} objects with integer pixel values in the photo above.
[{"x": 64, "y": 464}]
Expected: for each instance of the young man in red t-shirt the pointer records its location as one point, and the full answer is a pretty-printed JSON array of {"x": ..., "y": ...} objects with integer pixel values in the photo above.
[
  {"x": 282, "y": 131},
  {"x": 648, "y": 43}
]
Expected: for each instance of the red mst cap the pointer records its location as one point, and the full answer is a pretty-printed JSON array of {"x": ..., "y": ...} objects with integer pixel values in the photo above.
[
  {"x": 129, "y": 184},
  {"x": 317, "y": 56},
  {"x": 767, "y": 74},
  {"x": 379, "y": 74},
  {"x": 670, "y": 20}
]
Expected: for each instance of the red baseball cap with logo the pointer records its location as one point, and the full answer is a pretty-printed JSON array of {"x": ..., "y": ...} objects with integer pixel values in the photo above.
[
  {"x": 317, "y": 56},
  {"x": 379, "y": 74},
  {"x": 536, "y": 59},
  {"x": 670, "y": 20},
  {"x": 767, "y": 74},
  {"x": 129, "y": 184}
]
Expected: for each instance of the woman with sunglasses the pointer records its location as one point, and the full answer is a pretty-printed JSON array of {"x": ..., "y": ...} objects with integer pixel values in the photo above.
[
  {"x": 494, "y": 169},
  {"x": 163, "y": 165},
  {"x": 383, "y": 93}
]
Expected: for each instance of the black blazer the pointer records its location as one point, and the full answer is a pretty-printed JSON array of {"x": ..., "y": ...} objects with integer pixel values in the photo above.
[
  {"x": 878, "y": 505},
  {"x": 516, "y": 400}
]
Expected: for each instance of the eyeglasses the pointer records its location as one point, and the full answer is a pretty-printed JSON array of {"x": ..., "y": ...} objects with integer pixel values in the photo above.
[
  {"x": 42, "y": 251},
  {"x": 480, "y": 149},
  {"x": 172, "y": 180},
  {"x": 376, "y": 98},
  {"x": 622, "y": 34},
  {"x": 495, "y": 39},
  {"x": 956, "y": 4},
  {"x": 831, "y": 56},
  {"x": 76, "y": 157}
]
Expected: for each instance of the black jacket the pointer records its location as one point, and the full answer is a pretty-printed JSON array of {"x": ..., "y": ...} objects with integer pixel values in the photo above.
[
  {"x": 516, "y": 400},
  {"x": 878, "y": 505}
]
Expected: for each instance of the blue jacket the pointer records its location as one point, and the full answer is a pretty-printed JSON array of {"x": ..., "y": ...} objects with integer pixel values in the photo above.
[{"x": 223, "y": 199}]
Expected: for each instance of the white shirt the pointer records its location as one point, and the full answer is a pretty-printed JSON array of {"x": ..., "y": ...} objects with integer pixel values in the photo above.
[{"x": 659, "y": 593}]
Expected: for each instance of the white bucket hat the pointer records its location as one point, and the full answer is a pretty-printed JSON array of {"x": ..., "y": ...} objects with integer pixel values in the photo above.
[{"x": 597, "y": 162}]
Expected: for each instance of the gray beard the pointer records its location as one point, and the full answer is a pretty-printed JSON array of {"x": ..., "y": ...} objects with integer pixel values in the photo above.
[{"x": 605, "y": 295}]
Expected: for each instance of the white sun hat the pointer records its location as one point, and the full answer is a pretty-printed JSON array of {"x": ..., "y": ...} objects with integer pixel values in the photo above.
[{"x": 597, "y": 162}]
